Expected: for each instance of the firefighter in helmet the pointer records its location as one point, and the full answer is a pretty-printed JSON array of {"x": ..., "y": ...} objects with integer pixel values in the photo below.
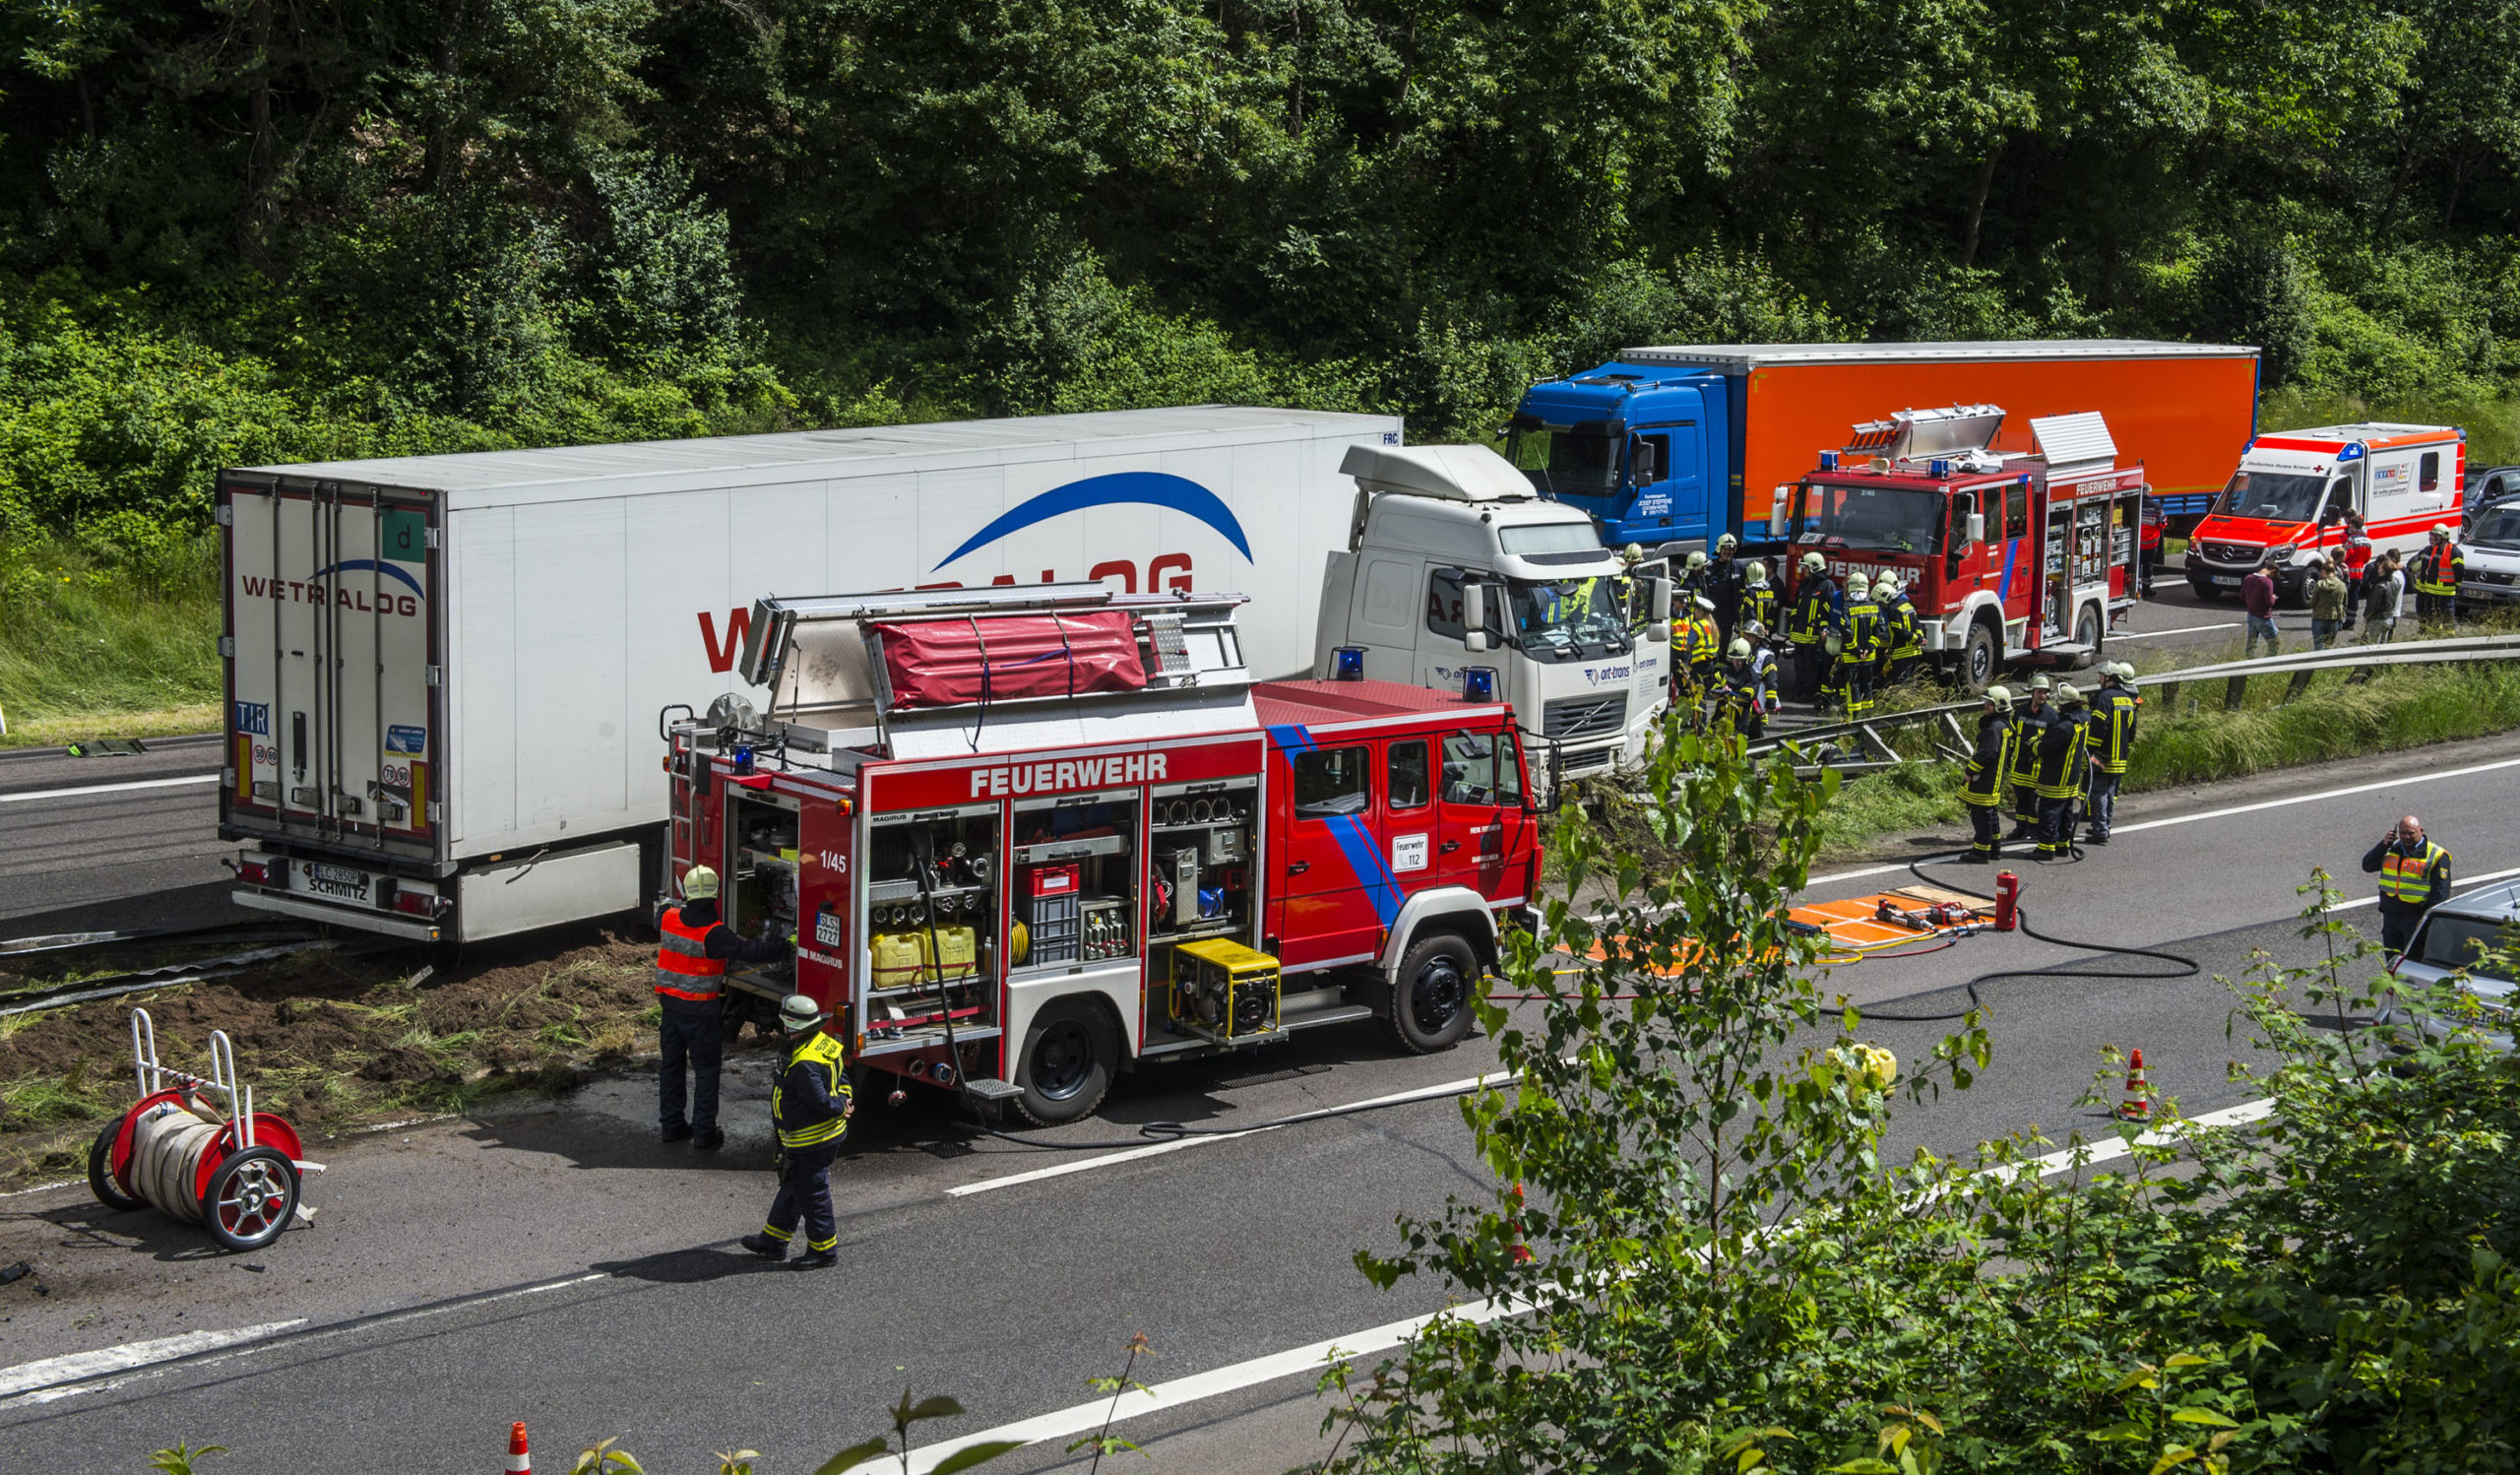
[
  {"x": 1859, "y": 661},
  {"x": 811, "y": 1105},
  {"x": 2112, "y": 745},
  {"x": 1904, "y": 637},
  {"x": 2063, "y": 753},
  {"x": 693, "y": 949},
  {"x": 2438, "y": 570},
  {"x": 1816, "y": 613},
  {"x": 1758, "y": 598},
  {"x": 1982, "y": 782},
  {"x": 2032, "y": 721},
  {"x": 1749, "y": 674}
]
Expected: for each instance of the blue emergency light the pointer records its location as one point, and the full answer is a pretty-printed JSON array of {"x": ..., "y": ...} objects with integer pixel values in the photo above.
[
  {"x": 2351, "y": 452},
  {"x": 1479, "y": 683},
  {"x": 743, "y": 759},
  {"x": 1941, "y": 468},
  {"x": 1349, "y": 664},
  {"x": 1828, "y": 461}
]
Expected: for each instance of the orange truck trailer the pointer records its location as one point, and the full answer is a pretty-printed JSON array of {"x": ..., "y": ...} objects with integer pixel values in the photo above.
[{"x": 1682, "y": 443}]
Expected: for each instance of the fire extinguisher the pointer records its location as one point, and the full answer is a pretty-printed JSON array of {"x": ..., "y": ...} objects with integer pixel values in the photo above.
[{"x": 2007, "y": 901}]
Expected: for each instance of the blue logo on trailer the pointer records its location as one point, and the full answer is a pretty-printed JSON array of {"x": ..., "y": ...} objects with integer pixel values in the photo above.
[
  {"x": 1120, "y": 489},
  {"x": 363, "y": 565},
  {"x": 254, "y": 719},
  {"x": 406, "y": 740}
]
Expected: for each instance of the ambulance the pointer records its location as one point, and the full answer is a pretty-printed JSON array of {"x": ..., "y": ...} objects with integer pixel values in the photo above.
[{"x": 2293, "y": 488}]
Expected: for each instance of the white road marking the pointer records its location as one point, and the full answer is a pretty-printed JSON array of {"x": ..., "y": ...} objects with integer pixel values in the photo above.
[
  {"x": 1158, "y": 1149},
  {"x": 1084, "y": 1417},
  {"x": 2174, "y": 630},
  {"x": 78, "y": 1367},
  {"x": 42, "y": 1188},
  {"x": 190, "y": 778}
]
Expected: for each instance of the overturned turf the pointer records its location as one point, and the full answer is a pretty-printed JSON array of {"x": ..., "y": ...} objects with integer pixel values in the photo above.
[{"x": 334, "y": 1039}]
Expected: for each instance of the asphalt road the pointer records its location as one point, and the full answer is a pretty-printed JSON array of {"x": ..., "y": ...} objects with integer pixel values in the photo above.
[{"x": 556, "y": 1265}]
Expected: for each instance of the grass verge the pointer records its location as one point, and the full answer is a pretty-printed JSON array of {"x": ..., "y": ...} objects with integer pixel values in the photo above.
[{"x": 93, "y": 644}]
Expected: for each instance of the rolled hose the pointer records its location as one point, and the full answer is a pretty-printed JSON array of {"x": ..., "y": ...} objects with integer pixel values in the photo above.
[{"x": 167, "y": 1150}]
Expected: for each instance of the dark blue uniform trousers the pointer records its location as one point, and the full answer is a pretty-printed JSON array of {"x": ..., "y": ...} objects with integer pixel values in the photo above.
[
  {"x": 689, "y": 1033},
  {"x": 804, "y": 1192}
]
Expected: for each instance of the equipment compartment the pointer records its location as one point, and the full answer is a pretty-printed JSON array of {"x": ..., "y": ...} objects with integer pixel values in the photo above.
[
  {"x": 1075, "y": 858},
  {"x": 931, "y": 920}
]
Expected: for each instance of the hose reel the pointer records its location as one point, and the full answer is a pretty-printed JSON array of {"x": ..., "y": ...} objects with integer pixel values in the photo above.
[{"x": 237, "y": 1172}]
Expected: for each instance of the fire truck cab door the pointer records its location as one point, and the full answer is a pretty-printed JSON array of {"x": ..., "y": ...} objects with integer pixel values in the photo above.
[
  {"x": 1478, "y": 785},
  {"x": 1334, "y": 888}
]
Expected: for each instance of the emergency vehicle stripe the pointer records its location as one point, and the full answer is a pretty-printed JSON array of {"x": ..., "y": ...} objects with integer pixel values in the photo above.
[
  {"x": 1293, "y": 739},
  {"x": 2003, "y": 590},
  {"x": 1364, "y": 858}
]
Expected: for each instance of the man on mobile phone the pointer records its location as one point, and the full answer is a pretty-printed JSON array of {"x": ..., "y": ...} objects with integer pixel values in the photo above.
[{"x": 2414, "y": 878}]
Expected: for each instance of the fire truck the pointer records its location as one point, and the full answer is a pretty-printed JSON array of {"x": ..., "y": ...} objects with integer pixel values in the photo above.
[
  {"x": 1028, "y": 837},
  {"x": 2021, "y": 556}
]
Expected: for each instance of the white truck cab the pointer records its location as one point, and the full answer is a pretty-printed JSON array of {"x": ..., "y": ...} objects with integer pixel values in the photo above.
[{"x": 1454, "y": 562}]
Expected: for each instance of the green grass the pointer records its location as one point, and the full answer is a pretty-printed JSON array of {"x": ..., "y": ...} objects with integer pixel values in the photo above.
[{"x": 93, "y": 644}]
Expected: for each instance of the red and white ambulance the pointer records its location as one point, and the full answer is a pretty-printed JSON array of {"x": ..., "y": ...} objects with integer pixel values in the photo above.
[
  {"x": 2292, "y": 491},
  {"x": 1028, "y": 837}
]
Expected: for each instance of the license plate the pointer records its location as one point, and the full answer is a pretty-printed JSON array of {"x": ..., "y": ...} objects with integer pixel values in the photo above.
[
  {"x": 2231, "y": 579},
  {"x": 337, "y": 880}
]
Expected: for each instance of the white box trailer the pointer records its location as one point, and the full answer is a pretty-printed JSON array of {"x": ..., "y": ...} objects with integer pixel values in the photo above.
[{"x": 444, "y": 674}]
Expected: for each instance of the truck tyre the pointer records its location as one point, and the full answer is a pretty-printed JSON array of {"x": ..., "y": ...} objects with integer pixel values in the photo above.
[
  {"x": 1981, "y": 655},
  {"x": 1066, "y": 1065},
  {"x": 2088, "y": 632},
  {"x": 1431, "y": 999}
]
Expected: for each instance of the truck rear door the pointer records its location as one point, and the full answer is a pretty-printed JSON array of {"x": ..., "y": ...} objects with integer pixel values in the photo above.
[{"x": 330, "y": 649}]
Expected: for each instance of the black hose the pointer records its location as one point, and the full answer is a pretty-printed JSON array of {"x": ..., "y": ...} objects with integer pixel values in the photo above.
[{"x": 2181, "y": 966}]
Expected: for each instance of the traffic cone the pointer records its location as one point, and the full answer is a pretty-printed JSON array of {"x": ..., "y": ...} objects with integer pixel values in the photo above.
[
  {"x": 519, "y": 1459},
  {"x": 2138, "y": 1105}
]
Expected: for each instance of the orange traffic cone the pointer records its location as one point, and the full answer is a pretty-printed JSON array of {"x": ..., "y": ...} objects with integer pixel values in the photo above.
[
  {"x": 2138, "y": 1105},
  {"x": 519, "y": 1459}
]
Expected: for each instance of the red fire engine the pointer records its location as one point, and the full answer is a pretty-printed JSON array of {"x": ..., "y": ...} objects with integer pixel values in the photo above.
[
  {"x": 1028, "y": 837},
  {"x": 2006, "y": 555}
]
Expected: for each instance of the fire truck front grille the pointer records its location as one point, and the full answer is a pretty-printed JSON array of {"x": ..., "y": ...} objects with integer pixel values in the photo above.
[{"x": 1575, "y": 717}]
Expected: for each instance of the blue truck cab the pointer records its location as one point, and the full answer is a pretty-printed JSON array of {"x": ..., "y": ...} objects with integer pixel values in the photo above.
[{"x": 1652, "y": 453}]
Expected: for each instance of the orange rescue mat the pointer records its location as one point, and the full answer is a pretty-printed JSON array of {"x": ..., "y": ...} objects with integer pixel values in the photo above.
[{"x": 1885, "y": 924}]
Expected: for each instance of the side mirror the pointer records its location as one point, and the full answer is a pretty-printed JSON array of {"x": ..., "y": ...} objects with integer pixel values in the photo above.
[
  {"x": 1781, "y": 514},
  {"x": 1660, "y": 601},
  {"x": 1475, "y": 639},
  {"x": 1473, "y": 616},
  {"x": 1641, "y": 469},
  {"x": 1977, "y": 527}
]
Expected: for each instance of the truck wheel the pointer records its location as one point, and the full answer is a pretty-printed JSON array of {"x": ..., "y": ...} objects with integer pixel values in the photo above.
[
  {"x": 1431, "y": 999},
  {"x": 1979, "y": 654},
  {"x": 2087, "y": 632},
  {"x": 2206, "y": 593},
  {"x": 101, "y": 1170},
  {"x": 1066, "y": 1064}
]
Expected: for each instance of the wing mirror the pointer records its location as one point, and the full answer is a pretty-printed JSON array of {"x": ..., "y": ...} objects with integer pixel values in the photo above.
[
  {"x": 1473, "y": 616},
  {"x": 1977, "y": 527}
]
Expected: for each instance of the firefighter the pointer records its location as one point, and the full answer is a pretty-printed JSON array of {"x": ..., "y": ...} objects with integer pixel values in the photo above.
[
  {"x": 693, "y": 949},
  {"x": 1865, "y": 641},
  {"x": 2064, "y": 758},
  {"x": 2436, "y": 579},
  {"x": 1628, "y": 588},
  {"x": 1693, "y": 577},
  {"x": 2357, "y": 563},
  {"x": 811, "y": 1105},
  {"x": 1815, "y": 611},
  {"x": 1748, "y": 674},
  {"x": 1758, "y": 597},
  {"x": 1723, "y": 586},
  {"x": 1903, "y": 637},
  {"x": 1695, "y": 656},
  {"x": 1763, "y": 660},
  {"x": 2033, "y": 722},
  {"x": 2112, "y": 745},
  {"x": 1982, "y": 782},
  {"x": 2414, "y": 878}
]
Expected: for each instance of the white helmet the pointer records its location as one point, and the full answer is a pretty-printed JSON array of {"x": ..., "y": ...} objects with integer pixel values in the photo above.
[
  {"x": 1740, "y": 650},
  {"x": 1726, "y": 543},
  {"x": 1858, "y": 587},
  {"x": 1754, "y": 573},
  {"x": 2001, "y": 696}
]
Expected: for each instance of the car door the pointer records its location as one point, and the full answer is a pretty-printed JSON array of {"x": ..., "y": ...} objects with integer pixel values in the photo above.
[
  {"x": 1335, "y": 893},
  {"x": 1478, "y": 792}
]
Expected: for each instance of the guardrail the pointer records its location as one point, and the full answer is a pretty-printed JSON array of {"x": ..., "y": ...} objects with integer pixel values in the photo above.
[{"x": 1860, "y": 746}]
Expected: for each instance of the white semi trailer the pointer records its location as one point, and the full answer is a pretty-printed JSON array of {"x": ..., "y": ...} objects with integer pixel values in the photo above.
[{"x": 445, "y": 672}]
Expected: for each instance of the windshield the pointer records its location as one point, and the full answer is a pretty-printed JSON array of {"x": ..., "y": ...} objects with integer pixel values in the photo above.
[
  {"x": 1567, "y": 614},
  {"x": 2453, "y": 941},
  {"x": 1549, "y": 538},
  {"x": 2499, "y": 528},
  {"x": 1578, "y": 462},
  {"x": 1901, "y": 519},
  {"x": 2273, "y": 496}
]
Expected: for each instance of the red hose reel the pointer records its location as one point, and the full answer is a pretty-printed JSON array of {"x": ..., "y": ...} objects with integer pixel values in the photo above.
[{"x": 237, "y": 1172}]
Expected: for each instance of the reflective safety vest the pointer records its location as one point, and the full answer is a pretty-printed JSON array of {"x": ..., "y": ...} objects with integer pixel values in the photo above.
[
  {"x": 1758, "y": 606},
  {"x": 2112, "y": 729},
  {"x": 1983, "y": 781},
  {"x": 2437, "y": 569},
  {"x": 2061, "y": 747},
  {"x": 684, "y": 969},
  {"x": 1906, "y": 636},
  {"x": 1813, "y": 611},
  {"x": 1700, "y": 651},
  {"x": 2408, "y": 879},
  {"x": 2025, "y": 757},
  {"x": 1863, "y": 631},
  {"x": 2358, "y": 554},
  {"x": 803, "y": 1123}
]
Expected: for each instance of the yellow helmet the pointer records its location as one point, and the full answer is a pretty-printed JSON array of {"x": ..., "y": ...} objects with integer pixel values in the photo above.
[
  {"x": 1812, "y": 563},
  {"x": 699, "y": 883}
]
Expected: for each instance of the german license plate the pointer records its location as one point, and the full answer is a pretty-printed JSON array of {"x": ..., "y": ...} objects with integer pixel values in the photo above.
[
  {"x": 2229, "y": 579},
  {"x": 337, "y": 880}
]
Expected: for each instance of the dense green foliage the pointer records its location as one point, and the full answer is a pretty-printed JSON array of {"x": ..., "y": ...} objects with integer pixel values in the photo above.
[
  {"x": 1704, "y": 1260},
  {"x": 241, "y": 229}
]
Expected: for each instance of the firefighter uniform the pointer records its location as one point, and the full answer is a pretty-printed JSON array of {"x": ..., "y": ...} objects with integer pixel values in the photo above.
[
  {"x": 1696, "y": 655},
  {"x": 1724, "y": 579},
  {"x": 1865, "y": 643},
  {"x": 2414, "y": 878},
  {"x": 1982, "y": 782},
  {"x": 1815, "y": 610},
  {"x": 2033, "y": 723},
  {"x": 2436, "y": 577},
  {"x": 810, "y": 1105},
  {"x": 2113, "y": 746},
  {"x": 2063, "y": 752},
  {"x": 1903, "y": 635},
  {"x": 1758, "y": 599},
  {"x": 1748, "y": 672}
]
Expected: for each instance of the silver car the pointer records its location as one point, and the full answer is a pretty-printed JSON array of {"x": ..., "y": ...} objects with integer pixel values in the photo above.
[
  {"x": 2491, "y": 558},
  {"x": 2473, "y": 935}
]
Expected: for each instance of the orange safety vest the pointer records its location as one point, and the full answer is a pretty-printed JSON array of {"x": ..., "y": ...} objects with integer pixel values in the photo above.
[{"x": 684, "y": 969}]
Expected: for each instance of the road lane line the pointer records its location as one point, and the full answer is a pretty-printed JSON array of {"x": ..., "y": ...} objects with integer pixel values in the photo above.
[
  {"x": 78, "y": 1367},
  {"x": 1083, "y": 1418},
  {"x": 84, "y": 788},
  {"x": 1158, "y": 1149},
  {"x": 2176, "y": 630}
]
